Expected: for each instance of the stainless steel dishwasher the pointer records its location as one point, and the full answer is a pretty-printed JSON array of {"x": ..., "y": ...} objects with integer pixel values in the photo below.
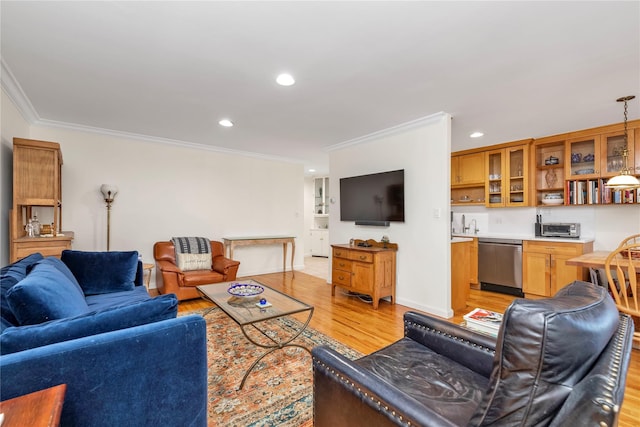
[{"x": 500, "y": 265}]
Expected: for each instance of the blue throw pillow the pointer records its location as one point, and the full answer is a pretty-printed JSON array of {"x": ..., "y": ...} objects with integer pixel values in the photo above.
[
  {"x": 45, "y": 294},
  {"x": 62, "y": 267},
  {"x": 9, "y": 276},
  {"x": 102, "y": 272}
]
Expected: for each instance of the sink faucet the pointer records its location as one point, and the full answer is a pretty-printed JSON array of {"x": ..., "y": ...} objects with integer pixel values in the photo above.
[{"x": 475, "y": 226}]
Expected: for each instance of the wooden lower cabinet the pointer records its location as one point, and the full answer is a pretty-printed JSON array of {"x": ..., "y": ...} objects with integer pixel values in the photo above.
[
  {"x": 370, "y": 271},
  {"x": 47, "y": 246},
  {"x": 460, "y": 274},
  {"x": 544, "y": 268},
  {"x": 473, "y": 264}
]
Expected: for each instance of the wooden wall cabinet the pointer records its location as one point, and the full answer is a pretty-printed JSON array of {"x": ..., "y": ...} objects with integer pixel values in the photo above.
[
  {"x": 587, "y": 159},
  {"x": 37, "y": 182},
  {"x": 467, "y": 178},
  {"x": 467, "y": 169},
  {"x": 508, "y": 176},
  {"x": 548, "y": 164},
  {"x": 544, "y": 268},
  {"x": 364, "y": 270}
]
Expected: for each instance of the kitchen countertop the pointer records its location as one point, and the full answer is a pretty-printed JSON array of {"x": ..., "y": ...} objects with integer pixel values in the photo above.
[
  {"x": 525, "y": 237},
  {"x": 457, "y": 239}
]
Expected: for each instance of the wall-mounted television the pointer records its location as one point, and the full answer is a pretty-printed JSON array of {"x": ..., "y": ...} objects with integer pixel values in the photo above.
[{"x": 374, "y": 199}]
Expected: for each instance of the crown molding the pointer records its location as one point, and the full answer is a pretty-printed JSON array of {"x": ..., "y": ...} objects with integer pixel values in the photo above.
[
  {"x": 155, "y": 139},
  {"x": 17, "y": 95},
  {"x": 14, "y": 91},
  {"x": 394, "y": 130}
]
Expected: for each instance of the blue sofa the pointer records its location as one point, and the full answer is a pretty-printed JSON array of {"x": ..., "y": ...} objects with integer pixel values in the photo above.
[{"x": 85, "y": 320}]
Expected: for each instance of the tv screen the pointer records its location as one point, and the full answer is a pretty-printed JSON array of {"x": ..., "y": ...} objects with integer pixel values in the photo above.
[{"x": 376, "y": 199}]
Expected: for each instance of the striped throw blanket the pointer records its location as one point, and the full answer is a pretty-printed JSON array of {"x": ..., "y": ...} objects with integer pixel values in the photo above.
[{"x": 192, "y": 253}]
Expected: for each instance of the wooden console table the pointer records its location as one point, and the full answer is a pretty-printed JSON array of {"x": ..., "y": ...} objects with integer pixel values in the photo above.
[
  {"x": 232, "y": 242},
  {"x": 39, "y": 409},
  {"x": 369, "y": 270}
]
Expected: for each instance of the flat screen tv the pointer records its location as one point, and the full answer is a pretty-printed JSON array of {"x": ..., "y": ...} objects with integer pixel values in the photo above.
[{"x": 374, "y": 199}]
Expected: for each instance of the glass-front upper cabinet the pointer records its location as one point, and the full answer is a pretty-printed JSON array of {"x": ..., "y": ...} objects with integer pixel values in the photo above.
[
  {"x": 321, "y": 196},
  {"x": 611, "y": 153},
  {"x": 517, "y": 172},
  {"x": 582, "y": 158},
  {"x": 494, "y": 196}
]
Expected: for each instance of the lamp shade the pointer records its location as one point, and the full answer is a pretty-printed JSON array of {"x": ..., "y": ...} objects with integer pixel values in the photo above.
[
  {"x": 109, "y": 191},
  {"x": 623, "y": 182}
]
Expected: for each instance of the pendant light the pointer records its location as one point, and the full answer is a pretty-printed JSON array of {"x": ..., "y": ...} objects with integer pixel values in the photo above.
[{"x": 625, "y": 180}]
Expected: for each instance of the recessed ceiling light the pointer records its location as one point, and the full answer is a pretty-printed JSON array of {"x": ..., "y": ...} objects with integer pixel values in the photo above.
[
  {"x": 285, "y": 79},
  {"x": 476, "y": 135},
  {"x": 226, "y": 123},
  {"x": 312, "y": 170}
]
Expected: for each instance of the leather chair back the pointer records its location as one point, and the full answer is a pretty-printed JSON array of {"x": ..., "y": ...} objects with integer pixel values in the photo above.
[{"x": 166, "y": 251}]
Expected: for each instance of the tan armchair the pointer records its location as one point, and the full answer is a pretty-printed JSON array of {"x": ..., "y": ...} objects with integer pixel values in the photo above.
[{"x": 170, "y": 279}]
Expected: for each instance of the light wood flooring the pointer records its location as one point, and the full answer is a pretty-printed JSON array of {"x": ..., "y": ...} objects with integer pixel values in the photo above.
[{"x": 356, "y": 324}]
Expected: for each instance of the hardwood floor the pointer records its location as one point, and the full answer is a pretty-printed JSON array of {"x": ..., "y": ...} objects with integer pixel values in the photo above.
[{"x": 356, "y": 324}]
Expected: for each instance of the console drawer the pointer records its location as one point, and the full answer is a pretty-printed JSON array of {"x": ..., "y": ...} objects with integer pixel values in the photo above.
[
  {"x": 341, "y": 278},
  {"x": 361, "y": 256},
  {"x": 342, "y": 264}
]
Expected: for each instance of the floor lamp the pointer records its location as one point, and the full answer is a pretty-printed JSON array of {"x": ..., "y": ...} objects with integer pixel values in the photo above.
[{"x": 109, "y": 192}]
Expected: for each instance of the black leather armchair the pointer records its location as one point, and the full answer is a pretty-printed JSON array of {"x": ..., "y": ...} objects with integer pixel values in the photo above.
[{"x": 560, "y": 361}]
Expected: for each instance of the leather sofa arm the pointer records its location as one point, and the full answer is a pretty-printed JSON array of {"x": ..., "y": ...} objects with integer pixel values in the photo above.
[
  {"x": 110, "y": 377},
  {"x": 226, "y": 266},
  {"x": 167, "y": 267},
  {"x": 364, "y": 398},
  {"x": 466, "y": 347}
]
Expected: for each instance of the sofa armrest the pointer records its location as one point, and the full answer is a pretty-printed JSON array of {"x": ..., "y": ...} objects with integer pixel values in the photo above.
[
  {"x": 168, "y": 267},
  {"x": 227, "y": 267},
  {"x": 21, "y": 338},
  {"x": 466, "y": 347},
  {"x": 111, "y": 377},
  {"x": 364, "y": 398},
  {"x": 598, "y": 397}
]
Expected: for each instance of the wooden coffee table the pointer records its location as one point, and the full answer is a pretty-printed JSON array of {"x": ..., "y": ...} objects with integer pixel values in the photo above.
[{"x": 245, "y": 312}]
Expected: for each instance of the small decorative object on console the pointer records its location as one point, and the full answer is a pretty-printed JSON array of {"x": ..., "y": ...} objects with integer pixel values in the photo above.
[
  {"x": 245, "y": 290},
  {"x": 484, "y": 321}
]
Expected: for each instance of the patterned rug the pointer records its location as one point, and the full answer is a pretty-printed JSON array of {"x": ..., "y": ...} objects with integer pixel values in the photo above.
[{"x": 279, "y": 390}]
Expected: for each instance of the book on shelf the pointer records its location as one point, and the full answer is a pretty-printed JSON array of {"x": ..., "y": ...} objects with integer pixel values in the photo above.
[{"x": 484, "y": 321}]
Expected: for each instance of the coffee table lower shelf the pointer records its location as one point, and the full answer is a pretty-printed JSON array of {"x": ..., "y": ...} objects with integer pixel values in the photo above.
[{"x": 245, "y": 312}]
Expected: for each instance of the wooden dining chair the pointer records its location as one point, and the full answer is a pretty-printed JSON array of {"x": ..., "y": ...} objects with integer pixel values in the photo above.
[
  {"x": 631, "y": 240},
  {"x": 622, "y": 275}
]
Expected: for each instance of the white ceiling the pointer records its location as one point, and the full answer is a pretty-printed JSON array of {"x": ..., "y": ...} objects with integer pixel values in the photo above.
[{"x": 171, "y": 70}]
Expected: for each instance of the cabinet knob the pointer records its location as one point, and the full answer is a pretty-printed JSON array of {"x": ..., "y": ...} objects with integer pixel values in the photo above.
[{"x": 363, "y": 257}]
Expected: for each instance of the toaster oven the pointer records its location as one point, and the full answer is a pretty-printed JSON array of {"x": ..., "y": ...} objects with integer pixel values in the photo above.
[{"x": 568, "y": 229}]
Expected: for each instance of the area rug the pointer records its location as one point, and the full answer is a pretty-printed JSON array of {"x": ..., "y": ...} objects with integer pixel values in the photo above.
[{"x": 279, "y": 390}]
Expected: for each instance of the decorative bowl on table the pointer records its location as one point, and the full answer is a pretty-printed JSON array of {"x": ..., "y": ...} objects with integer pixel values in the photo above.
[{"x": 245, "y": 290}]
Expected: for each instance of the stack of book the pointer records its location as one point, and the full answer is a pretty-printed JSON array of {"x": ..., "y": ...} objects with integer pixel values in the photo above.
[{"x": 485, "y": 321}]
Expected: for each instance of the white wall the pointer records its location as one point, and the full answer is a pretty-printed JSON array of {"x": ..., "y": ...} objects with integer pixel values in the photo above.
[
  {"x": 422, "y": 149},
  {"x": 11, "y": 124},
  {"x": 171, "y": 190}
]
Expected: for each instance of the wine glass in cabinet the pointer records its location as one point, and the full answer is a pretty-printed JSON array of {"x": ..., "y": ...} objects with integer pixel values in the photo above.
[{"x": 494, "y": 196}]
